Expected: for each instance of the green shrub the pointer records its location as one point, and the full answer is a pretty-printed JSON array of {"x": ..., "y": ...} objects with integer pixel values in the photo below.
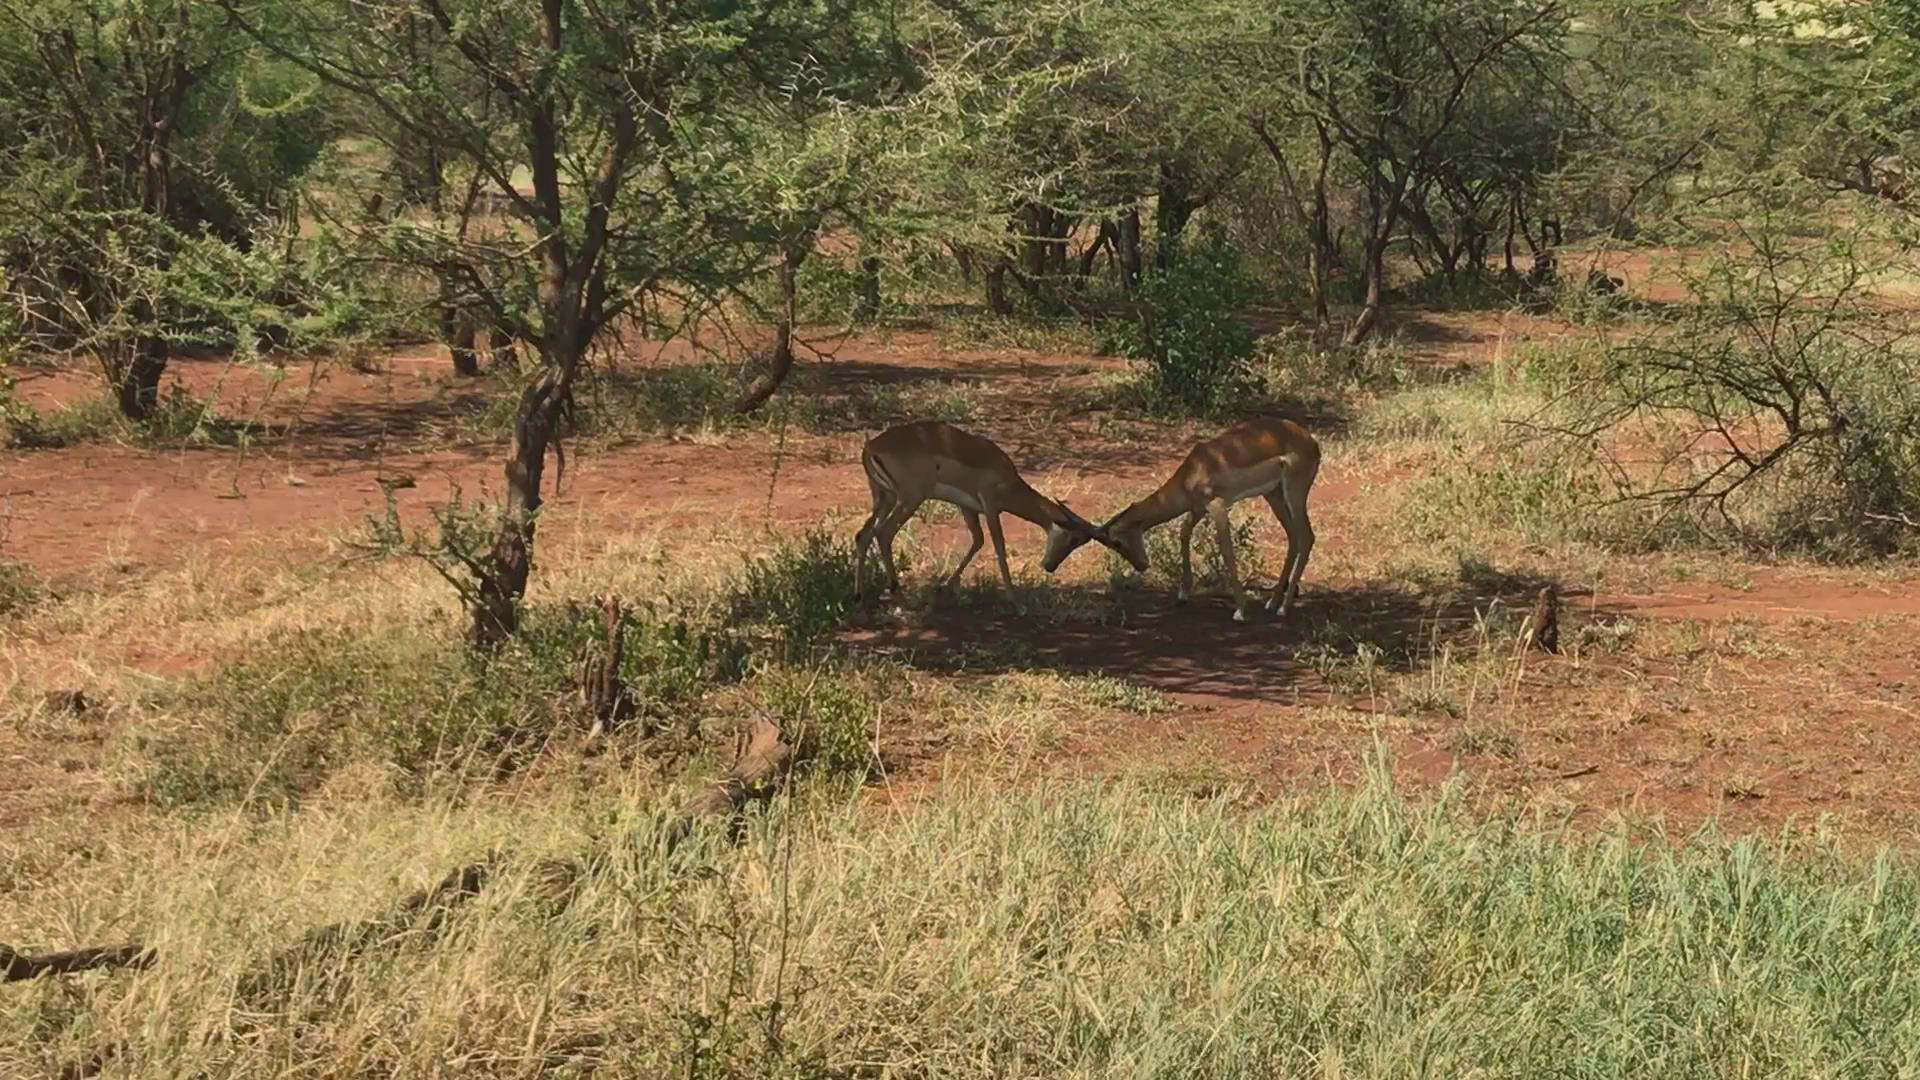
[
  {"x": 1290, "y": 363},
  {"x": 801, "y": 591},
  {"x": 830, "y": 712},
  {"x": 1195, "y": 350},
  {"x": 1163, "y": 552},
  {"x": 273, "y": 726},
  {"x": 1780, "y": 404}
]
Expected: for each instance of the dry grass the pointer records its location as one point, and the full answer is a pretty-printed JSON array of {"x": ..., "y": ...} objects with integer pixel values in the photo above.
[
  {"x": 1052, "y": 931},
  {"x": 934, "y": 897}
]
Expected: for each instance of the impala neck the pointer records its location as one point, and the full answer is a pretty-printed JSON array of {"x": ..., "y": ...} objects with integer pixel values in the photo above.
[
  {"x": 1156, "y": 509},
  {"x": 1029, "y": 505}
]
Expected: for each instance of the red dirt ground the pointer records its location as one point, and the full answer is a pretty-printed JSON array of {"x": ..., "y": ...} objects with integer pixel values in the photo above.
[{"x": 1628, "y": 732}]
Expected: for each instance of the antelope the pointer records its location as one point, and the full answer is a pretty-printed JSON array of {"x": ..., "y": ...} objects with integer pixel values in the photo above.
[
  {"x": 1276, "y": 459},
  {"x": 911, "y": 463}
]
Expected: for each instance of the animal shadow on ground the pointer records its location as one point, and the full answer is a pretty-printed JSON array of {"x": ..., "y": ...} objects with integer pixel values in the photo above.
[{"x": 1196, "y": 648}]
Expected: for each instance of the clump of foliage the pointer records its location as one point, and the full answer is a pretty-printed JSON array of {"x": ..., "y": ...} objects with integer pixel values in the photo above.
[
  {"x": 801, "y": 591},
  {"x": 1195, "y": 350},
  {"x": 19, "y": 587},
  {"x": 829, "y": 711},
  {"x": 272, "y": 727}
]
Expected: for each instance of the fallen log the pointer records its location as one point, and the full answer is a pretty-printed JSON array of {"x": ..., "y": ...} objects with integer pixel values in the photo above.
[{"x": 16, "y": 966}]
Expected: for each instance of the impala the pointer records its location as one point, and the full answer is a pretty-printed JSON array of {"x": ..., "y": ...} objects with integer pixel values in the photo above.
[
  {"x": 911, "y": 463},
  {"x": 1276, "y": 459}
]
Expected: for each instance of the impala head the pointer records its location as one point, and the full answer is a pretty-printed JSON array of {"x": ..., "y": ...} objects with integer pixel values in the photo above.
[
  {"x": 1066, "y": 533},
  {"x": 1127, "y": 539},
  {"x": 1065, "y": 538}
]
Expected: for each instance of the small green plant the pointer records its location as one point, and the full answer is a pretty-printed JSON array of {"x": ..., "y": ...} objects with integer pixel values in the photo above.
[
  {"x": 831, "y": 713},
  {"x": 875, "y": 407},
  {"x": 87, "y": 420},
  {"x": 275, "y": 724},
  {"x": 19, "y": 587},
  {"x": 1163, "y": 552},
  {"x": 177, "y": 419},
  {"x": 801, "y": 590},
  {"x": 1463, "y": 290},
  {"x": 1352, "y": 667},
  {"x": 1296, "y": 364},
  {"x": 1114, "y": 692}
]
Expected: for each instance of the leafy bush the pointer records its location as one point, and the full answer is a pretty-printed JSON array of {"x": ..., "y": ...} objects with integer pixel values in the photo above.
[
  {"x": 1163, "y": 553},
  {"x": 831, "y": 712},
  {"x": 1462, "y": 290},
  {"x": 802, "y": 591},
  {"x": 1296, "y": 364},
  {"x": 1196, "y": 350}
]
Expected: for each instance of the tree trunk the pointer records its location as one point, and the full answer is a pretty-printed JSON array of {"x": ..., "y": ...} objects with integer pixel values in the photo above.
[
  {"x": 1173, "y": 207},
  {"x": 1057, "y": 247},
  {"x": 1369, "y": 316},
  {"x": 504, "y": 571},
  {"x": 868, "y": 309},
  {"x": 1422, "y": 223},
  {"x": 460, "y": 333},
  {"x": 1038, "y": 231},
  {"x": 997, "y": 299},
  {"x": 1128, "y": 250},
  {"x": 781, "y": 363},
  {"x": 1092, "y": 254},
  {"x": 1513, "y": 218},
  {"x": 964, "y": 258},
  {"x": 1384, "y": 197},
  {"x": 139, "y": 389},
  {"x": 1312, "y": 219}
]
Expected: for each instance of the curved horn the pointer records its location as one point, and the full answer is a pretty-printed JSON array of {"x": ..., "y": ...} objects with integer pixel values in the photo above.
[{"x": 1078, "y": 523}]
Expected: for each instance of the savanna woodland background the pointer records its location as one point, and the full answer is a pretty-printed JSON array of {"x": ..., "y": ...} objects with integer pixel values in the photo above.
[{"x": 431, "y": 459}]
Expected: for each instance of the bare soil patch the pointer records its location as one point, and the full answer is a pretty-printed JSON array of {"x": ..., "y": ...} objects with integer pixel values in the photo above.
[{"x": 1787, "y": 697}]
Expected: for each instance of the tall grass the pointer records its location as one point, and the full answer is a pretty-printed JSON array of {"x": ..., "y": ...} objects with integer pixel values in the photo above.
[{"x": 1059, "y": 931}]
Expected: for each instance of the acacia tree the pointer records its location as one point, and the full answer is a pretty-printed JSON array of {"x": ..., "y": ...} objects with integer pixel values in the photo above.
[
  {"x": 130, "y": 132},
  {"x": 617, "y": 115},
  {"x": 1385, "y": 82}
]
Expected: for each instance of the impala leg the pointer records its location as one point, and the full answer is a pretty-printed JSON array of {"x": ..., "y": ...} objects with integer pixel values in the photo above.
[
  {"x": 860, "y": 541},
  {"x": 1223, "y": 530},
  {"x": 884, "y": 533},
  {"x": 999, "y": 548},
  {"x": 1284, "y": 515},
  {"x": 1186, "y": 558},
  {"x": 1299, "y": 540},
  {"x": 979, "y": 540}
]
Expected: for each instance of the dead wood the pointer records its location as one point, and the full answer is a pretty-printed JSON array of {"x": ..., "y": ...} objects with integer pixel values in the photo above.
[
  {"x": 762, "y": 761},
  {"x": 607, "y": 697},
  {"x": 17, "y": 966},
  {"x": 1543, "y": 631},
  {"x": 422, "y": 915}
]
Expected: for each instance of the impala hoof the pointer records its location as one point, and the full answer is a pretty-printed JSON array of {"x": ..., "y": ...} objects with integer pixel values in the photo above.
[
  {"x": 1239, "y": 615},
  {"x": 1181, "y": 597}
]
